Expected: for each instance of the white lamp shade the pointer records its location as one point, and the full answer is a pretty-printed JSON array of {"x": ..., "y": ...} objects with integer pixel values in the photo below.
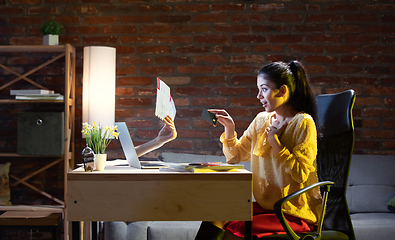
[{"x": 98, "y": 96}]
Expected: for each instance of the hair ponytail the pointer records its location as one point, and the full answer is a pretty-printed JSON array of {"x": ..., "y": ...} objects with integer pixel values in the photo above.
[{"x": 303, "y": 98}]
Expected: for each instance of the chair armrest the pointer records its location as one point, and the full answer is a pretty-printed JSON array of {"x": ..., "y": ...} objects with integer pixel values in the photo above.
[{"x": 279, "y": 204}]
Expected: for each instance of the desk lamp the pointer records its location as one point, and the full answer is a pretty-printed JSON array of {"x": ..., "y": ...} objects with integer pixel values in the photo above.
[{"x": 98, "y": 99}]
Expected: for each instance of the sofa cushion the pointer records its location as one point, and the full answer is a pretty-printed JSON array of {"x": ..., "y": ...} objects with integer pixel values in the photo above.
[
  {"x": 125, "y": 231},
  {"x": 371, "y": 183},
  {"x": 137, "y": 230},
  {"x": 115, "y": 230},
  {"x": 373, "y": 225},
  {"x": 372, "y": 169},
  {"x": 170, "y": 230},
  {"x": 369, "y": 198}
]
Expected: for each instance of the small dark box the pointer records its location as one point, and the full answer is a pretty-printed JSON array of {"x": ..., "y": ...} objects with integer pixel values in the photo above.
[{"x": 40, "y": 133}]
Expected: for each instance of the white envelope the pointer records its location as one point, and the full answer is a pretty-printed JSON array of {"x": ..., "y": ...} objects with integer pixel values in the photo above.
[{"x": 164, "y": 102}]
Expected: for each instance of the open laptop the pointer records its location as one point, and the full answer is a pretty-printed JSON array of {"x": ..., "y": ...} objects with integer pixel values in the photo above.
[{"x": 130, "y": 151}]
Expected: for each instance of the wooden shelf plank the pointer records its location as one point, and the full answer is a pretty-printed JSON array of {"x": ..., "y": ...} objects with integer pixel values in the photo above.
[
  {"x": 36, "y": 208},
  {"x": 29, "y": 101},
  {"x": 32, "y": 48},
  {"x": 16, "y": 155}
]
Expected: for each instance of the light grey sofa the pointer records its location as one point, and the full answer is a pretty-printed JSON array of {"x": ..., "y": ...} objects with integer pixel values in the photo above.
[
  {"x": 371, "y": 185},
  {"x": 150, "y": 230}
]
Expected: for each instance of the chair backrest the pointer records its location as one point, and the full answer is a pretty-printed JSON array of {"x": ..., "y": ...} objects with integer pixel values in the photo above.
[{"x": 335, "y": 148}]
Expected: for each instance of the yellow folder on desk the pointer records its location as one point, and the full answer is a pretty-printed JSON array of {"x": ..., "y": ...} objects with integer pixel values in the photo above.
[{"x": 216, "y": 168}]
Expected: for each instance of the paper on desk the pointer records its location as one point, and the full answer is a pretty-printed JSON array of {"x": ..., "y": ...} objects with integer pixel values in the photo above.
[{"x": 164, "y": 102}]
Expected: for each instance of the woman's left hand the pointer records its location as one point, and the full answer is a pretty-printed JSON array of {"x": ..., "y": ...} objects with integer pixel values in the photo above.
[
  {"x": 168, "y": 131},
  {"x": 273, "y": 132},
  {"x": 276, "y": 128}
]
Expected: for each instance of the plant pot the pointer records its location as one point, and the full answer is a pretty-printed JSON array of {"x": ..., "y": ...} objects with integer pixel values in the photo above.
[
  {"x": 50, "y": 39},
  {"x": 100, "y": 161}
]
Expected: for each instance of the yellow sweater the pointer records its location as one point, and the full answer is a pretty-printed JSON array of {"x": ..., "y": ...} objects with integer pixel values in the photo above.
[{"x": 275, "y": 177}]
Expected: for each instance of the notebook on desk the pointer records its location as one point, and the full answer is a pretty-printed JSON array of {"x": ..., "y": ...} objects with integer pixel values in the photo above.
[{"x": 130, "y": 152}]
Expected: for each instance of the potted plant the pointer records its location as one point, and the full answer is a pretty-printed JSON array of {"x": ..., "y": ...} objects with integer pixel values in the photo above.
[
  {"x": 51, "y": 30},
  {"x": 98, "y": 138}
]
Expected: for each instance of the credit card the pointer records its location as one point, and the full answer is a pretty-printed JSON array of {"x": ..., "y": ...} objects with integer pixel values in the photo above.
[{"x": 209, "y": 117}]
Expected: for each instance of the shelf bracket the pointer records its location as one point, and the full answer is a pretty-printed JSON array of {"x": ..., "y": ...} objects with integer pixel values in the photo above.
[
  {"x": 36, "y": 172},
  {"x": 39, "y": 191},
  {"x": 24, "y": 76}
]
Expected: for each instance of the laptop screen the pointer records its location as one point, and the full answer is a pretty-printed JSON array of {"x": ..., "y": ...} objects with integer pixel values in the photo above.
[{"x": 127, "y": 145}]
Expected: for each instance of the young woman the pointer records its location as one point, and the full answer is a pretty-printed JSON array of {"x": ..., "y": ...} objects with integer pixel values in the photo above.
[
  {"x": 166, "y": 134},
  {"x": 281, "y": 144}
]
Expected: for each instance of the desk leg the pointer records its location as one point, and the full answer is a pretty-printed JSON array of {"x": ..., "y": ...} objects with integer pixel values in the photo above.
[
  {"x": 95, "y": 230},
  {"x": 75, "y": 231},
  {"x": 87, "y": 230},
  {"x": 84, "y": 230},
  {"x": 248, "y": 230}
]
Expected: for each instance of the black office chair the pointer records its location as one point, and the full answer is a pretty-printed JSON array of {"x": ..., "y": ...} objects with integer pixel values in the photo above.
[{"x": 335, "y": 149}]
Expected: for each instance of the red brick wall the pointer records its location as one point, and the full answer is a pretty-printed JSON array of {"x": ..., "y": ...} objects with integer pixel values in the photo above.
[{"x": 209, "y": 51}]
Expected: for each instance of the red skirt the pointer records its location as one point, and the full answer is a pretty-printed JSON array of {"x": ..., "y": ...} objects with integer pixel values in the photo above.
[{"x": 265, "y": 223}]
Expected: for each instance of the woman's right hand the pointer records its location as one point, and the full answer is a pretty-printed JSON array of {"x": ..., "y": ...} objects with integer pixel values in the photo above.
[{"x": 226, "y": 120}]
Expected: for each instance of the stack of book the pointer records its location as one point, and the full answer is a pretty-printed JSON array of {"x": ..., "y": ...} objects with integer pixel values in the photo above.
[{"x": 36, "y": 94}]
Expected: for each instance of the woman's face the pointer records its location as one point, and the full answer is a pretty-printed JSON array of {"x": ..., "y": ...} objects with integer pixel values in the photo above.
[{"x": 270, "y": 96}]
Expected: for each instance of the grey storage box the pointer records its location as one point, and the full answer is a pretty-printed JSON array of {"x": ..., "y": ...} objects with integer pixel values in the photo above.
[{"x": 40, "y": 133}]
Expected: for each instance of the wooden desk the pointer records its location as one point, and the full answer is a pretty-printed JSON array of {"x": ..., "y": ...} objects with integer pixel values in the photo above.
[{"x": 125, "y": 194}]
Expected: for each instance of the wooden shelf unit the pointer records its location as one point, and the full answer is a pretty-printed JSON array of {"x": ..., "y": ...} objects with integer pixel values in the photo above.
[{"x": 67, "y": 52}]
